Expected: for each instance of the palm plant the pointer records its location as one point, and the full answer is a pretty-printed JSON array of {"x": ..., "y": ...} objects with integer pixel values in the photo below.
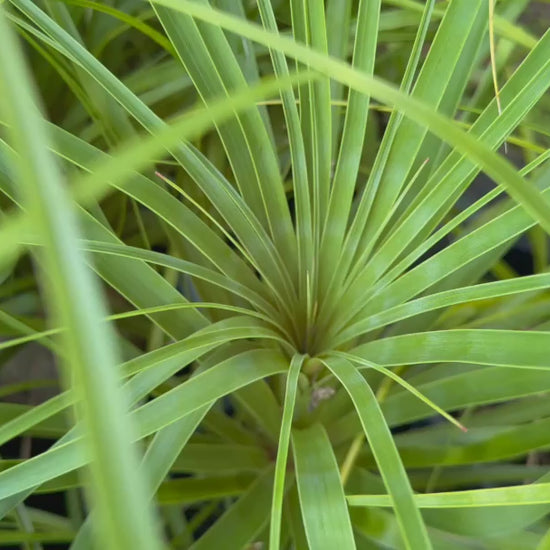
[{"x": 299, "y": 308}]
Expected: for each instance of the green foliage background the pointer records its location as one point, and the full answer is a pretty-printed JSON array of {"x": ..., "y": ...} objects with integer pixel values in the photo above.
[{"x": 267, "y": 241}]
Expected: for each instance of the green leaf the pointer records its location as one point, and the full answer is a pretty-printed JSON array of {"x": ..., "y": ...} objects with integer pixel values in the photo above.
[
  {"x": 211, "y": 458},
  {"x": 209, "y": 61},
  {"x": 523, "y": 495},
  {"x": 387, "y": 457},
  {"x": 495, "y": 166},
  {"x": 282, "y": 451},
  {"x": 192, "y": 490},
  {"x": 75, "y": 299},
  {"x": 353, "y": 136},
  {"x": 197, "y": 392},
  {"x": 456, "y": 27},
  {"x": 505, "y": 348},
  {"x": 300, "y": 180},
  {"x": 152, "y": 369},
  {"x": 243, "y": 521},
  {"x": 324, "y": 511},
  {"x": 482, "y": 291},
  {"x": 161, "y": 454}
]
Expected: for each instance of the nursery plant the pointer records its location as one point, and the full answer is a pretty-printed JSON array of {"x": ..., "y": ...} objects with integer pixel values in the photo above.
[{"x": 272, "y": 247}]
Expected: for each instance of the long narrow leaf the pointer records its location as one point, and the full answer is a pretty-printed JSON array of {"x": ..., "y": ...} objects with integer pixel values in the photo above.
[
  {"x": 282, "y": 452},
  {"x": 318, "y": 481},
  {"x": 74, "y": 298},
  {"x": 383, "y": 447}
]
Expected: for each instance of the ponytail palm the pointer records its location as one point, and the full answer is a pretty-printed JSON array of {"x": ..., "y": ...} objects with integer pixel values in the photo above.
[{"x": 314, "y": 339}]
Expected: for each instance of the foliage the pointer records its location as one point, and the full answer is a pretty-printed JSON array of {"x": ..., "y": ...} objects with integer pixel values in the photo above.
[{"x": 269, "y": 244}]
